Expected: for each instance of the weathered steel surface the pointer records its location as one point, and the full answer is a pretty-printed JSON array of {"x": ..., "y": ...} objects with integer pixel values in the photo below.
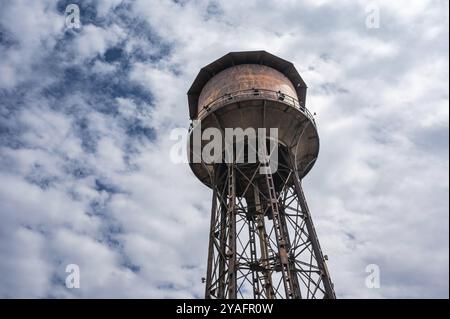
[
  {"x": 243, "y": 77},
  {"x": 238, "y": 58},
  {"x": 295, "y": 129}
]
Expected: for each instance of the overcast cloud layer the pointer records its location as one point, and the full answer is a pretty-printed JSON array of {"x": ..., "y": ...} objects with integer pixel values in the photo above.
[{"x": 85, "y": 118}]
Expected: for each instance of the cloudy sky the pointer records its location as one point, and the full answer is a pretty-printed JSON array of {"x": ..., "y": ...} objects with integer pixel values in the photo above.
[{"x": 85, "y": 122}]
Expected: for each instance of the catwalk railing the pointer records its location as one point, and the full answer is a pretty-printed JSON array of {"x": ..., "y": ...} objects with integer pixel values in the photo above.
[{"x": 250, "y": 94}]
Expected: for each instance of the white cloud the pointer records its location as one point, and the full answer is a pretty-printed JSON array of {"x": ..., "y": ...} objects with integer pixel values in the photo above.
[
  {"x": 95, "y": 40},
  {"x": 35, "y": 28}
]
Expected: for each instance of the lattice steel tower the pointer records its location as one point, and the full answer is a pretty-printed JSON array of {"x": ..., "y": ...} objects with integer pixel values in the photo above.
[{"x": 262, "y": 242}]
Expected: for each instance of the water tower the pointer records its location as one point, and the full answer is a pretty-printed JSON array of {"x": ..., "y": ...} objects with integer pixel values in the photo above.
[{"x": 262, "y": 241}]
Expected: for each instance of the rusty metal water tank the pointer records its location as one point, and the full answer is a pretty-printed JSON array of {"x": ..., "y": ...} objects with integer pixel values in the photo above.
[{"x": 259, "y": 90}]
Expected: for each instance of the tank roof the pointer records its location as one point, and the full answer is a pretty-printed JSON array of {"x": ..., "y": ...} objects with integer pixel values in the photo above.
[{"x": 243, "y": 57}]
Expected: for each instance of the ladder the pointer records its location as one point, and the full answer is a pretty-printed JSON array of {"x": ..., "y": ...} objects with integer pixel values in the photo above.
[{"x": 279, "y": 231}]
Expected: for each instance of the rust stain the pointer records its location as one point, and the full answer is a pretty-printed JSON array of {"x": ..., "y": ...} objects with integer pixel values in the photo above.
[{"x": 243, "y": 77}]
